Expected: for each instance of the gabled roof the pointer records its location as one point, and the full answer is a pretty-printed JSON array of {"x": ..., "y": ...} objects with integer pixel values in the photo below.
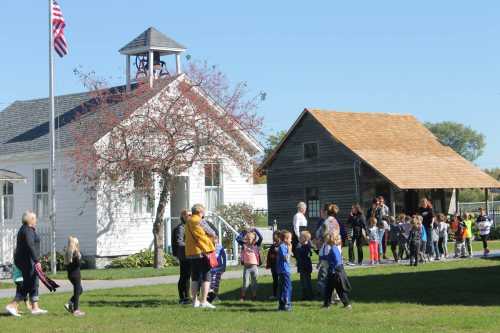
[
  {"x": 152, "y": 39},
  {"x": 24, "y": 125},
  {"x": 400, "y": 148},
  {"x": 11, "y": 176}
]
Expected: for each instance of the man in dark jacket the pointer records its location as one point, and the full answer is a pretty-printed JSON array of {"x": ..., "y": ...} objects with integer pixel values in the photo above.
[{"x": 179, "y": 251}]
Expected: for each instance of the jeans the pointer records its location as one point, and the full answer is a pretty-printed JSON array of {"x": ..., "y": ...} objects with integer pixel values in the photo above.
[
  {"x": 29, "y": 286},
  {"x": 306, "y": 285},
  {"x": 381, "y": 238},
  {"x": 428, "y": 245},
  {"x": 435, "y": 250},
  {"x": 443, "y": 246},
  {"x": 285, "y": 291},
  {"x": 184, "y": 276},
  {"x": 77, "y": 291}
]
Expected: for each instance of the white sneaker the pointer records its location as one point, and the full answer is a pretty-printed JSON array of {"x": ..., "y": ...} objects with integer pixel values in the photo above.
[
  {"x": 38, "y": 312},
  {"x": 12, "y": 311},
  {"x": 196, "y": 304},
  {"x": 207, "y": 305}
]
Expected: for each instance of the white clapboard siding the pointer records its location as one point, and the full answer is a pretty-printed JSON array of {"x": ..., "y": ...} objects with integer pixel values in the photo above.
[
  {"x": 75, "y": 215},
  {"x": 237, "y": 186}
]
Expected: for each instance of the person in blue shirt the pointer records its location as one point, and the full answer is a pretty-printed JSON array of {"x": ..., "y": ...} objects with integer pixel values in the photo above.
[
  {"x": 284, "y": 272},
  {"x": 337, "y": 278},
  {"x": 423, "y": 241},
  {"x": 216, "y": 272}
]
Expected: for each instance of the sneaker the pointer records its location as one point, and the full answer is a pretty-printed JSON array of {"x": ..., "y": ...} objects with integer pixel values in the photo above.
[
  {"x": 351, "y": 264},
  {"x": 348, "y": 307},
  {"x": 12, "y": 311},
  {"x": 38, "y": 312},
  {"x": 68, "y": 307},
  {"x": 196, "y": 304},
  {"x": 207, "y": 305},
  {"x": 78, "y": 313}
]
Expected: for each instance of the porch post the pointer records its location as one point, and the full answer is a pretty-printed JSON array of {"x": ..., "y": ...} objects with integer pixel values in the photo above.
[
  {"x": 457, "y": 202},
  {"x": 486, "y": 197},
  {"x": 2, "y": 225},
  {"x": 150, "y": 69},
  {"x": 393, "y": 201}
]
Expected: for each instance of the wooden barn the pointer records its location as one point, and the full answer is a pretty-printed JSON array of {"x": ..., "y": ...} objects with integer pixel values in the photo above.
[{"x": 347, "y": 157}]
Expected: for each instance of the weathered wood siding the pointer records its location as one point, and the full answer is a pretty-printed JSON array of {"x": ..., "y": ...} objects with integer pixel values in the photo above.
[{"x": 289, "y": 174}]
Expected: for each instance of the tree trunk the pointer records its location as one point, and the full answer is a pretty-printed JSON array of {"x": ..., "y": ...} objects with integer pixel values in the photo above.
[{"x": 159, "y": 227}]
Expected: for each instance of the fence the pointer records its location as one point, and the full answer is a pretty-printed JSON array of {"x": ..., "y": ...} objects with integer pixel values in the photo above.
[
  {"x": 473, "y": 207},
  {"x": 222, "y": 227},
  {"x": 8, "y": 234}
]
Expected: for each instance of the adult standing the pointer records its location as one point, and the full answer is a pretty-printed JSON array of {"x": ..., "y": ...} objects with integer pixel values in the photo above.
[
  {"x": 179, "y": 250},
  {"x": 26, "y": 258},
  {"x": 356, "y": 232},
  {"x": 199, "y": 244},
  {"x": 375, "y": 211},
  {"x": 385, "y": 211},
  {"x": 425, "y": 210},
  {"x": 299, "y": 223}
]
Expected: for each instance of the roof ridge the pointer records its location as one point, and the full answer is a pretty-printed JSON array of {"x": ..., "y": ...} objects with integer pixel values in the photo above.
[{"x": 359, "y": 112}]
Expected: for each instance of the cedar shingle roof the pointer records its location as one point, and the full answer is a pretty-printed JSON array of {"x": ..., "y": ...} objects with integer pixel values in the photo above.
[{"x": 401, "y": 149}]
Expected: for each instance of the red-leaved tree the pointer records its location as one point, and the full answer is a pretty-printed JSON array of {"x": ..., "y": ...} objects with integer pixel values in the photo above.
[{"x": 141, "y": 139}]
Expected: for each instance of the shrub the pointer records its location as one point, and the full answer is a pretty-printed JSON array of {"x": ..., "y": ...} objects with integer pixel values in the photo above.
[
  {"x": 45, "y": 261},
  {"x": 144, "y": 258}
]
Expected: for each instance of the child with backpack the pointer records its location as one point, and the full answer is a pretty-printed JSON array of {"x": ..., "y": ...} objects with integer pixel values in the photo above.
[
  {"x": 284, "y": 271},
  {"x": 250, "y": 259},
  {"x": 272, "y": 257},
  {"x": 304, "y": 264},
  {"x": 460, "y": 234},
  {"x": 216, "y": 272},
  {"x": 414, "y": 240},
  {"x": 337, "y": 278},
  {"x": 72, "y": 260}
]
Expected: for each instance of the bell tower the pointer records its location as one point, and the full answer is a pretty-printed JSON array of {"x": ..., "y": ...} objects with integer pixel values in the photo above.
[{"x": 147, "y": 49}]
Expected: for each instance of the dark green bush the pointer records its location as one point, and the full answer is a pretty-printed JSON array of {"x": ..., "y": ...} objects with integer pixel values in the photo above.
[
  {"x": 45, "y": 261},
  {"x": 144, "y": 258}
]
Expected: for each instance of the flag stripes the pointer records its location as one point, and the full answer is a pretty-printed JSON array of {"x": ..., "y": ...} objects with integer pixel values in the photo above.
[{"x": 58, "y": 25}]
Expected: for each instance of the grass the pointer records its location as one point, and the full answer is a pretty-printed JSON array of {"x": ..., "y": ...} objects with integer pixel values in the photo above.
[
  {"x": 458, "y": 296},
  {"x": 6, "y": 285}
]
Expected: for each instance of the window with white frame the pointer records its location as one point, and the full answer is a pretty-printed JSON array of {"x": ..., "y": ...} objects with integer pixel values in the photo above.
[
  {"x": 213, "y": 186},
  {"x": 41, "y": 192},
  {"x": 8, "y": 200},
  {"x": 143, "y": 199},
  {"x": 313, "y": 202}
]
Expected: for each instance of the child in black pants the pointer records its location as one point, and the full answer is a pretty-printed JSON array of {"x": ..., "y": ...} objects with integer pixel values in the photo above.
[
  {"x": 272, "y": 257},
  {"x": 72, "y": 260},
  {"x": 414, "y": 241},
  {"x": 304, "y": 264}
]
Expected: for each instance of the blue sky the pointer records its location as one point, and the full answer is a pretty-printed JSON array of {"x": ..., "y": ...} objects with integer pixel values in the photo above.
[{"x": 437, "y": 60}]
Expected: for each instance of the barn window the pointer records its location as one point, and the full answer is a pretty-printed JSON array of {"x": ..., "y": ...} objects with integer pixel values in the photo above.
[
  {"x": 41, "y": 192},
  {"x": 313, "y": 202},
  {"x": 310, "y": 150},
  {"x": 213, "y": 186},
  {"x": 8, "y": 200}
]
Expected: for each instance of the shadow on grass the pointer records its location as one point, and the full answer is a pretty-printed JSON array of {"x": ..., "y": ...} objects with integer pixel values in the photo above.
[
  {"x": 139, "y": 303},
  {"x": 459, "y": 286}
]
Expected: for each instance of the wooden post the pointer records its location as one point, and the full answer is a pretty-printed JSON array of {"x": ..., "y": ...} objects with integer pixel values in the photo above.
[
  {"x": 178, "y": 63},
  {"x": 457, "y": 203},
  {"x": 393, "y": 201},
  {"x": 127, "y": 71},
  {"x": 151, "y": 69},
  {"x": 486, "y": 195},
  {"x": 2, "y": 225}
]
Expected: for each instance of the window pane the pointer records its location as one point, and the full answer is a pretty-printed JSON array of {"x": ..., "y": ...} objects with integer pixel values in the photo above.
[
  {"x": 208, "y": 175},
  {"x": 216, "y": 174},
  {"x": 310, "y": 150},
  {"x": 38, "y": 181},
  {"x": 9, "y": 188},
  {"x": 45, "y": 180}
]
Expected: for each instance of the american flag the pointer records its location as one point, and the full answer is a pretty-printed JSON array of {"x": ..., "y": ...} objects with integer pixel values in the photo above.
[{"x": 58, "y": 25}]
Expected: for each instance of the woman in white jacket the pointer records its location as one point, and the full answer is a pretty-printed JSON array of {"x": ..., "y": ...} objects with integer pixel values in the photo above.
[{"x": 484, "y": 223}]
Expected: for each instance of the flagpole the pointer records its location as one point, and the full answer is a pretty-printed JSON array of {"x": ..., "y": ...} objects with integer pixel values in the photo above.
[{"x": 52, "y": 197}]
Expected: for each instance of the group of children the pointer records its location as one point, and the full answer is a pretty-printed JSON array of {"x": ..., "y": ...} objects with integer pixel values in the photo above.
[{"x": 410, "y": 239}]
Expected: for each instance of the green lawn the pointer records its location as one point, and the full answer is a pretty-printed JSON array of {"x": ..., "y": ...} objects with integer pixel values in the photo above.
[
  {"x": 459, "y": 296},
  {"x": 6, "y": 285}
]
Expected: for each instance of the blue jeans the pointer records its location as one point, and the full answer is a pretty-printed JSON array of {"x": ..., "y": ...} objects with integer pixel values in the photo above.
[
  {"x": 285, "y": 291},
  {"x": 381, "y": 235},
  {"x": 435, "y": 249}
]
